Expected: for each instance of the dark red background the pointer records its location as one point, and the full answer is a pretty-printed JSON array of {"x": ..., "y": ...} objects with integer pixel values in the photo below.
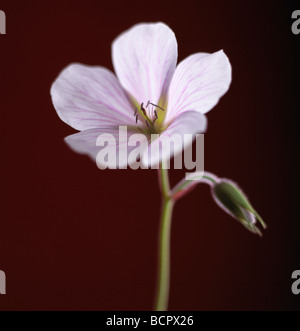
[{"x": 75, "y": 237}]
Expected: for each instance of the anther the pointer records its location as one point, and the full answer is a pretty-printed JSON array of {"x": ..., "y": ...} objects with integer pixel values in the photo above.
[
  {"x": 136, "y": 119},
  {"x": 143, "y": 109}
]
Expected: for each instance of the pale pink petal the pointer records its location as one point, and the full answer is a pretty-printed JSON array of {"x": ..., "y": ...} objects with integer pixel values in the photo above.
[
  {"x": 85, "y": 142},
  {"x": 88, "y": 96},
  {"x": 144, "y": 59},
  {"x": 198, "y": 83},
  {"x": 190, "y": 122}
]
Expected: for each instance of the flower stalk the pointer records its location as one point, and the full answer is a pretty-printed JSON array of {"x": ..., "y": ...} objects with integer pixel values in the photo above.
[
  {"x": 226, "y": 194},
  {"x": 163, "y": 286}
]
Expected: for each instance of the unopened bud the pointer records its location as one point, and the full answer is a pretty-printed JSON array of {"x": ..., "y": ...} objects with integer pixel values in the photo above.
[{"x": 232, "y": 200}]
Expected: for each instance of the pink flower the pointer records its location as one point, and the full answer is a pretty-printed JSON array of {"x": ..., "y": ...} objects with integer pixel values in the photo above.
[{"x": 148, "y": 94}]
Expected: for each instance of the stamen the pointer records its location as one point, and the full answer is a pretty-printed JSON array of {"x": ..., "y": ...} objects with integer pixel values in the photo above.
[
  {"x": 155, "y": 106},
  {"x": 148, "y": 118},
  {"x": 143, "y": 109},
  {"x": 156, "y": 116}
]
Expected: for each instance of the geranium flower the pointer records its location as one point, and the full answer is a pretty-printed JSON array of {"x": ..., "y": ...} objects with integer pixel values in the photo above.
[{"x": 148, "y": 94}]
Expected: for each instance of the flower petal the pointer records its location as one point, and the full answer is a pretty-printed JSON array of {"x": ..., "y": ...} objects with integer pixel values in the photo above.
[
  {"x": 198, "y": 83},
  {"x": 144, "y": 59},
  {"x": 85, "y": 142},
  {"x": 86, "y": 97},
  {"x": 190, "y": 122}
]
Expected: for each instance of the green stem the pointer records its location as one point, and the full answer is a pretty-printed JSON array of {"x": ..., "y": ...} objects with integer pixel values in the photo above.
[
  {"x": 184, "y": 184},
  {"x": 168, "y": 200},
  {"x": 163, "y": 288},
  {"x": 164, "y": 182}
]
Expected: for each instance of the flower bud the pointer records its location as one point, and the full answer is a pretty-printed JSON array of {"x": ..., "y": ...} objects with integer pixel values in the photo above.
[{"x": 233, "y": 201}]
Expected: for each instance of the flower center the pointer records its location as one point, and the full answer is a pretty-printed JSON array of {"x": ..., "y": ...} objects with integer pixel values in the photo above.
[{"x": 148, "y": 115}]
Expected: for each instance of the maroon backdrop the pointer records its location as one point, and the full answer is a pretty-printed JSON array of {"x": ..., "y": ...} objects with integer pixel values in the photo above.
[{"x": 75, "y": 237}]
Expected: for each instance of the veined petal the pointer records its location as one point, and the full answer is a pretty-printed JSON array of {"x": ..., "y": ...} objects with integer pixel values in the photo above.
[
  {"x": 198, "y": 83},
  {"x": 85, "y": 142},
  {"x": 190, "y": 122},
  {"x": 86, "y": 97},
  {"x": 144, "y": 59}
]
